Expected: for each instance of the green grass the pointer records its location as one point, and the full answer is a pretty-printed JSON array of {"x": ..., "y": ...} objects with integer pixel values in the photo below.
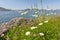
[{"x": 51, "y": 31}]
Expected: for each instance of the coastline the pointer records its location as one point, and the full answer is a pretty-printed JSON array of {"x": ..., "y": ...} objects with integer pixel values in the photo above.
[{"x": 5, "y": 26}]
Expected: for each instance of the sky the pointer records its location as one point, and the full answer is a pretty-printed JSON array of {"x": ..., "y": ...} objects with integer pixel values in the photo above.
[{"x": 24, "y": 4}]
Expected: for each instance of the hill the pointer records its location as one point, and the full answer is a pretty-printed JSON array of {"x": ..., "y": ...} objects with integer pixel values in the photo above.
[{"x": 4, "y": 9}]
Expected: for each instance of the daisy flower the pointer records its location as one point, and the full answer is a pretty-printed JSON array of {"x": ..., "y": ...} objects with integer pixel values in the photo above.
[
  {"x": 27, "y": 33},
  {"x": 45, "y": 21},
  {"x": 33, "y": 28},
  {"x": 35, "y": 15},
  {"x": 41, "y": 34},
  {"x": 40, "y": 23}
]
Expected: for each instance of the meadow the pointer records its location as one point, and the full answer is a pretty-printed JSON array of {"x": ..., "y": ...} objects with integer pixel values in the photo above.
[{"x": 38, "y": 29}]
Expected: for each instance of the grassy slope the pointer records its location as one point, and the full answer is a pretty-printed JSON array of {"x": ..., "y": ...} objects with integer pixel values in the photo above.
[{"x": 51, "y": 31}]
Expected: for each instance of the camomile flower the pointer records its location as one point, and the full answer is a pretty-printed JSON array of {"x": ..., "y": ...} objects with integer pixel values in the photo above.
[
  {"x": 33, "y": 28},
  {"x": 36, "y": 11},
  {"x": 35, "y": 15},
  {"x": 24, "y": 13},
  {"x": 45, "y": 21},
  {"x": 41, "y": 34},
  {"x": 40, "y": 23},
  {"x": 27, "y": 33}
]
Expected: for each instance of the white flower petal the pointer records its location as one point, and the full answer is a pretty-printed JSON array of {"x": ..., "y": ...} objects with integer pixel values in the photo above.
[
  {"x": 40, "y": 23},
  {"x": 33, "y": 28},
  {"x": 35, "y": 15},
  {"x": 41, "y": 34},
  {"x": 27, "y": 33},
  {"x": 45, "y": 21},
  {"x": 24, "y": 12},
  {"x": 36, "y": 12}
]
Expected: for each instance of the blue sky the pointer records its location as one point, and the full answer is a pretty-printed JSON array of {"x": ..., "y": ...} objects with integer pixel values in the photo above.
[{"x": 23, "y": 4}]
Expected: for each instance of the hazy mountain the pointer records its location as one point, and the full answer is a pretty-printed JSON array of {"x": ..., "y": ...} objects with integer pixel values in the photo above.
[
  {"x": 4, "y": 9},
  {"x": 45, "y": 11}
]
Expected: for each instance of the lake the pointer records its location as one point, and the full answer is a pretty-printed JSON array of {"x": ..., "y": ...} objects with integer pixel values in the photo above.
[{"x": 6, "y": 16}]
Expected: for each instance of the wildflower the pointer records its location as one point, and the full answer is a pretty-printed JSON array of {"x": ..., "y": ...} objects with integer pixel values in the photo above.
[
  {"x": 41, "y": 34},
  {"x": 27, "y": 33},
  {"x": 33, "y": 28},
  {"x": 45, "y": 21},
  {"x": 35, "y": 15},
  {"x": 40, "y": 23},
  {"x": 2, "y": 35},
  {"x": 36, "y": 12},
  {"x": 24, "y": 13}
]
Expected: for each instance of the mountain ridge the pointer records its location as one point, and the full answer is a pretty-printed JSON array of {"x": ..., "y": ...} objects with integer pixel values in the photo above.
[{"x": 4, "y": 9}]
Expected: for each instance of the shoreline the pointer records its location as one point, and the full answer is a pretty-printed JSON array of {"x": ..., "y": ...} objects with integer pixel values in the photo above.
[{"x": 5, "y": 26}]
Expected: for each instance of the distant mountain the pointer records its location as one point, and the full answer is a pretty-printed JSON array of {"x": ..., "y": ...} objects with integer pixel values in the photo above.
[
  {"x": 4, "y": 9},
  {"x": 46, "y": 12}
]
